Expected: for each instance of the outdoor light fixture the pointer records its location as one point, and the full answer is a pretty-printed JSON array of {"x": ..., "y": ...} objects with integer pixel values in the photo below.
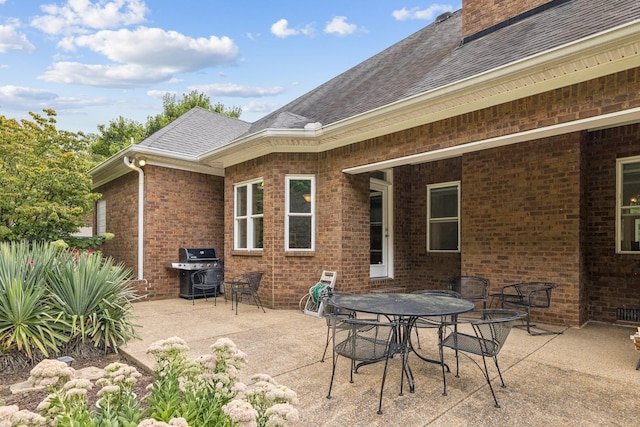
[{"x": 142, "y": 162}]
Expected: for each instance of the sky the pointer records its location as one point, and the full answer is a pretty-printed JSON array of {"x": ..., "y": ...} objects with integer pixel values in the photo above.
[{"x": 95, "y": 61}]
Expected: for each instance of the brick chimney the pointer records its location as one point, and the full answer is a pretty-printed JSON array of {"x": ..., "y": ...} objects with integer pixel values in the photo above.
[{"x": 478, "y": 15}]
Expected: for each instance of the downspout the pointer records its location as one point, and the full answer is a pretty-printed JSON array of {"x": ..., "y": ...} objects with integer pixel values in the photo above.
[{"x": 131, "y": 164}]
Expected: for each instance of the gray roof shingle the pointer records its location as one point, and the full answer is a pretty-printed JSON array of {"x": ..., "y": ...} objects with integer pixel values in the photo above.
[
  {"x": 434, "y": 57},
  {"x": 196, "y": 132}
]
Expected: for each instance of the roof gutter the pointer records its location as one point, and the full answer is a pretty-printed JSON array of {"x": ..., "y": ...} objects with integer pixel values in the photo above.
[{"x": 604, "y": 53}]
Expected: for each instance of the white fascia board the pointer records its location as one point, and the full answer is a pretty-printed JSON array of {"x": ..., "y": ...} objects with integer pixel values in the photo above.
[
  {"x": 114, "y": 166},
  {"x": 601, "y": 54},
  {"x": 597, "y": 122}
]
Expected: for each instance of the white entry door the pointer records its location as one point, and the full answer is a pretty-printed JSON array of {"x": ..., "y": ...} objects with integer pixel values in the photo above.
[{"x": 380, "y": 251}]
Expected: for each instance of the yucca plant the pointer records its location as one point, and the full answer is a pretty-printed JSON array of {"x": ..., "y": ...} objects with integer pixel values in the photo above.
[
  {"x": 93, "y": 295},
  {"x": 28, "y": 326}
]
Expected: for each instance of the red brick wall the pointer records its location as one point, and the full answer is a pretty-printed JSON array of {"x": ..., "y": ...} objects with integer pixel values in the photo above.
[
  {"x": 121, "y": 196},
  {"x": 614, "y": 279},
  {"x": 182, "y": 209},
  {"x": 415, "y": 267},
  {"x": 481, "y": 14},
  {"x": 521, "y": 219}
]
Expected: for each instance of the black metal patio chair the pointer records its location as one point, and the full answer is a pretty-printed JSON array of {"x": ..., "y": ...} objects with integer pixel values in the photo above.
[
  {"x": 527, "y": 296},
  {"x": 432, "y": 323},
  {"x": 472, "y": 288},
  {"x": 481, "y": 333},
  {"x": 207, "y": 281},
  {"x": 364, "y": 342},
  {"x": 246, "y": 284}
]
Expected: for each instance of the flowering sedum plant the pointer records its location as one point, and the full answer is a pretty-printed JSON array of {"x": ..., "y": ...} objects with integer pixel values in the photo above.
[{"x": 205, "y": 391}]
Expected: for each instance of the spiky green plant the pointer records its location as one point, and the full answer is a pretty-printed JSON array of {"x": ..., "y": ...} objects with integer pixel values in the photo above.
[
  {"x": 95, "y": 298},
  {"x": 27, "y": 321}
]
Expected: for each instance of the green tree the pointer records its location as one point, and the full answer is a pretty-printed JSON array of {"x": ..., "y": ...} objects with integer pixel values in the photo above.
[
  {"x": 172, "y": 109},
  {"x": 115, "y": 136},
  {"x": 45, "y": 190}
]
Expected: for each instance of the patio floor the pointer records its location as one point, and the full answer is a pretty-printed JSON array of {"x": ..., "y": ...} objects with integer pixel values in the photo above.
[{"x": 584, "y": 377}]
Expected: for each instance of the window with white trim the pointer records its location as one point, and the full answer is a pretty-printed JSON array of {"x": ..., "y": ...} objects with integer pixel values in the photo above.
[
  {"x": 299, "y": 213},
  {"x": 443, "y": 217},
  {"x": 101, "y": 217},
  {"x": 248, "y": 215},
  {"x": 628, "y": 205}
]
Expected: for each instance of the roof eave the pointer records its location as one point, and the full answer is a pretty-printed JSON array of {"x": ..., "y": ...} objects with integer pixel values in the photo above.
[
  {"x": 114, "y": 167},
  {"x": 605, "y": 53}
]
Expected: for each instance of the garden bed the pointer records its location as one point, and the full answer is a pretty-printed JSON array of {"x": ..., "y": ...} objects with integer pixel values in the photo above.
[{"x": 30, "y": 400}]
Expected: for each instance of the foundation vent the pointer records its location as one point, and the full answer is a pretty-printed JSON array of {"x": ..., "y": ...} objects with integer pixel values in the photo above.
[{"x": 628, "y": 314}]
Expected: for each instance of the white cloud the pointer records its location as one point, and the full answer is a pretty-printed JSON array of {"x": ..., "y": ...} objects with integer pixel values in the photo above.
[
  {"x": 339, "y": 26},
  {"x": 259, "y": 107},
  {"x": 19, "y": 94},
  {"x": 122, "y": 76},
  {"x": 79, "y": 15},
  {"x": 424, "y": 14},
  {"x": 281, "y": 29},
  {"x": 155, "y": 47},
  {"x": 235, "y": 90},
  {"x": 10, "y": 39},
  {"x": 159, "y": 94}
]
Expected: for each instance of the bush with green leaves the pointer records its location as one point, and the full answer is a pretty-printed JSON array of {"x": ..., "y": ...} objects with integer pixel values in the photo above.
[
  {"x": 187, "y": 392},
  {"x": 54, "y": 300}
]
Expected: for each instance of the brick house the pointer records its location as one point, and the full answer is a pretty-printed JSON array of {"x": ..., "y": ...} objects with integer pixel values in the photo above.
[{"x": 502, "y": 140}]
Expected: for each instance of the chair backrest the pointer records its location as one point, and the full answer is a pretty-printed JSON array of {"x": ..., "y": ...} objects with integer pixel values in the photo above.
[
  {"x": 253, "y": 279},
  {"x": 536, "y": 294},
  {"x": 210, "y": 277},
  {"x": 492, "y": 328},
  {"x": 473, "y": 288},
  {"x": 364, "y": 339},
  {"x": 333, "y": 314}
]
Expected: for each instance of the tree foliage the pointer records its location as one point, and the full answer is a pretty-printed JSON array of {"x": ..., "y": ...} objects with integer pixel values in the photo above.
[
  {"x": 172, "y": 109},
  {"x": 45, "y": 190},
  {"x": 116, "y": 136},
  {"x": 119, "y": 133}
]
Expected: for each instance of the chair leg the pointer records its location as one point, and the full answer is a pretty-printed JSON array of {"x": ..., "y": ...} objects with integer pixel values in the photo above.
[
  {"x": 486, "y": 377},
  {"x": 256, "y": 299},
  {"x": 384, "y": 377}
]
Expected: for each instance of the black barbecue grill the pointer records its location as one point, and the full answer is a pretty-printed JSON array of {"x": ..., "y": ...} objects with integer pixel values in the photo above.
[{"x": 194, "y": 259}]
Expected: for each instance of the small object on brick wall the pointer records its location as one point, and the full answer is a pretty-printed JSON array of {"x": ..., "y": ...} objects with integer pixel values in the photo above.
[{"x": 636, "y": 340}]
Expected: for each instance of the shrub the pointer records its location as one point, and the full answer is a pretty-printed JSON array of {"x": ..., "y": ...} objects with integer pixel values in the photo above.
[
  {"x": 93, "y": 296},
  {"x": 204, "y": 391},
  {"x": 52, "y": 299},
  {"x": 29, "y": 325}
]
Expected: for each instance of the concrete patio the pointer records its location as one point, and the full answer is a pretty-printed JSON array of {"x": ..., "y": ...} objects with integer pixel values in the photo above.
[{"x": 583, "y": 377}]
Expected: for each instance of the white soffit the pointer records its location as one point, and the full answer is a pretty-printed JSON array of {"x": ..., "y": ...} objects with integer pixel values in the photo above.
[{"x": 592, "y": 123}]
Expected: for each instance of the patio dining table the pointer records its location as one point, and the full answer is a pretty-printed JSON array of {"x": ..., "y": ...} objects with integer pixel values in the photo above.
[{"x": 406, "y": 309}]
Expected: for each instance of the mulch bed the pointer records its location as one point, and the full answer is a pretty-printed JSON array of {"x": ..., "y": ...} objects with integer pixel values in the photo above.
[{"x": 30, "y": 400}]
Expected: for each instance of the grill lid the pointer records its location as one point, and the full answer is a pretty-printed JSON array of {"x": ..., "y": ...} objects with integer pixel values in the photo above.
[{"x": 196, "y": 254}]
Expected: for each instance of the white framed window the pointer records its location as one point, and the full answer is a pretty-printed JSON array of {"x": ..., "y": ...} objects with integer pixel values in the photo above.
[
  {"x": 248, "y": 215},
  {"x": 300, "y": 213},
  {"x": 628, "y": 205},
  {"x": 443, "y": 217},
  {"x": 101, "y": 217}
]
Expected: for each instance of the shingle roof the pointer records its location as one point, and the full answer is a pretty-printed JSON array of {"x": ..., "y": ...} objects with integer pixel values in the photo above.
[
  {"x": 196, "y": 132},
  {"x": 434, "y": 57}
]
